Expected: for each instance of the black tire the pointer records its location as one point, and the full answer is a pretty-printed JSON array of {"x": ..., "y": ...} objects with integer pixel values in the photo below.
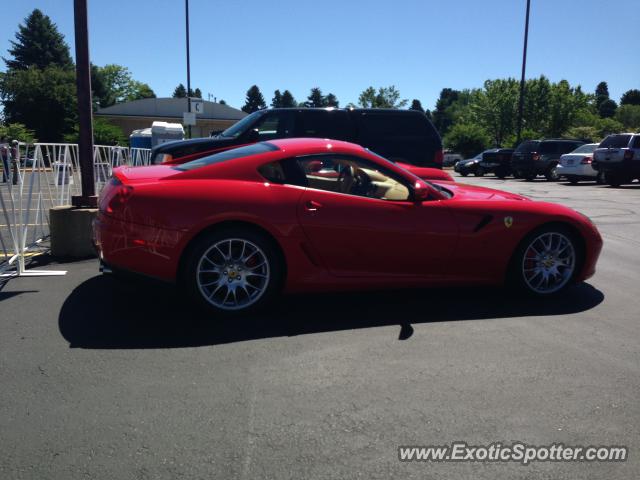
[
  {"x": 600, "y": 180},
  {"x": 501, "y": 173},
  {"x": 573, "y": 180},
  {"x": 529, "y": 177},
  {"x": 464, "y": 173},
  {"x": 552, "y": 174},
  {"x": 612, "y": 179},
  {"x": 270, "y": 289},
  {"x": 479, "y": 172},
  {"x": 515, "y": 276}
]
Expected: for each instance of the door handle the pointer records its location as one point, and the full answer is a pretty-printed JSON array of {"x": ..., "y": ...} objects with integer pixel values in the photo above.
[{"x": 312, "y": 206}]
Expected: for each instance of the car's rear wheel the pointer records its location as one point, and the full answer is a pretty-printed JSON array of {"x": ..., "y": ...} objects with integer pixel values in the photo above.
[
  {"x": 572, "y": 180},
  {"x": 600, "y": 179},
  {"x": 479, "y": 172},
  {"x": 552, "y": 174},
  {"x": 546, "y": 262},
  {"x": 529, "y": 177},
  {"x": 464, "y": 173},
  {"x": 233, "y": 271},
  {"x": 502, "y": 173}
]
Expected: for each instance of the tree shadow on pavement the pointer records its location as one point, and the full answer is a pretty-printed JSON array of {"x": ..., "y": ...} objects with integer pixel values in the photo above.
[{"x": 105, "y": 313}]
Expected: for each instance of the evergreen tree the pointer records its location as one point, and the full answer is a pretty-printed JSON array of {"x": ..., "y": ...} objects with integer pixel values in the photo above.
[
  {"x": 332, "y": 101},
  {"x": 630, "y": 97},
  {"x": 255, "y": 100},
  {"x": 602, "y": 96},
  {"x": 416, "y": 105},
  {"x": 602, "y": 90},
  {"x": 222, "y": 102},
  {"x": 197, "y": 93},
  {"x": 287, "y": 100},
  {"x": 442, "y": 115},
  {"x": 607, "y": 108},
  {"x": 180, "y": 91},
  {"x": 276, "y": 101},
  {"x": 315, "y": 99},
  {"x": 38, "y": 44}
]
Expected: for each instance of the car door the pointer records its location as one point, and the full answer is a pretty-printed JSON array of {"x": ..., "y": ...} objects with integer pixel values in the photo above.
[{"x": 373, "y": 231}]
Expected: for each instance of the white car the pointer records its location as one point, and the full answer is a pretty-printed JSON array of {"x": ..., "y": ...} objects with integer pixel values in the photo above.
[{"x": 576, "y": 165}]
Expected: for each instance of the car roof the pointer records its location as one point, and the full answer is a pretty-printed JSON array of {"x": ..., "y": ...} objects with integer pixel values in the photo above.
[{"x": 302, "y": 146}]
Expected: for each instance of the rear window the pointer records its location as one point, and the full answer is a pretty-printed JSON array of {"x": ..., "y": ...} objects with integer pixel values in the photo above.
[
  {"x": 636, "y": 142},
  {"x": 232, "y": 154},
  {"x": 528, "y": 147},
  {"x": 616, "y": 141},
  {"x": 586, "y": 148}
]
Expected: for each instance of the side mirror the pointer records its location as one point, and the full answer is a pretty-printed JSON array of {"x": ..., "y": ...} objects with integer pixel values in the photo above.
[
  {"x": 421, "y": 193},
  {"x": 252, "y": 135}
]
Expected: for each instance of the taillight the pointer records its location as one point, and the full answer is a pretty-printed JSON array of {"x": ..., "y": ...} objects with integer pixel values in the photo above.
[
  {"x": 536, "y": 156},
  {"x": 586, "y": 160},
  {"x": 439, "y": 157},
  {"x": 118, "y": 197},
  {"x": 628, "y": 155}
]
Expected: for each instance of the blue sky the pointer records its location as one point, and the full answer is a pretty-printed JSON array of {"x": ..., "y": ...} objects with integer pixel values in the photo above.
[{"x": 343, "y": 46}]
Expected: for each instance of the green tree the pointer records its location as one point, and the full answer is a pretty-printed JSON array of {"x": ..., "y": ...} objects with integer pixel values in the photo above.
[
  {"x": 630, "y": 97},
  {"x": 42, "y": 99},
  {"x": 629, "y": 116},
  {"x": 180, "y": 91},
  {"x": 384, "y": 97},
  {"x": 467, "y": 139},
  {"x": 607, "y": 108},
  {"x": 104, "y": 133},
  {"x": 222, "y": 102},
  {"x": 564, "y": 104},
  {"x": 315, "y": 99},
  {"x": 17, "y": 131},
  {"x": 287, "y": 100},
  {"x": 254, "y": 101},
  {"x": 416, "y": 105},
  {"x": 536, "y": 106},
  {"x": 442, "y": 115},
  {"x": 38, "y": 44},
  {"x": 276, "y": 101},
  {"x": 119, "y": 86},
  {"x": 332, "y": 101},
  {"x": 197, "y": 93},
  {"x": 494, "y": 108}
]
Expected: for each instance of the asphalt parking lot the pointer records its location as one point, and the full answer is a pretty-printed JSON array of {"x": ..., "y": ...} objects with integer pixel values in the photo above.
[{"x": 106, "y": 380}]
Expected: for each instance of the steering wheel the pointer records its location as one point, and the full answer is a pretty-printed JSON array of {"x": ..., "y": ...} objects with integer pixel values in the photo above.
[{"x": 346, "y": 179}]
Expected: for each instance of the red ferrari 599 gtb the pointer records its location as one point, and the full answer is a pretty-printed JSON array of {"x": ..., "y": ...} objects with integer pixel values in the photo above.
[{"x": 238, "y": 227}]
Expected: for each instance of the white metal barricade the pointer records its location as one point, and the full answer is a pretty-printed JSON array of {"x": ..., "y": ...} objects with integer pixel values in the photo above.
[{"x": 47, "y": 175}]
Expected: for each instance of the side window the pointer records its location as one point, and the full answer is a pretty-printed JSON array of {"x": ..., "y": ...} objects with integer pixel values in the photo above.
[
  {"x": 352, "y": 176},
  {"x": 273, "y": 172},
  {"x": 376, "y": 126},
  {"x": 274, "y": 125},
  {"x": 636, "y": 142},
  {"x": 314, "y": 123}
]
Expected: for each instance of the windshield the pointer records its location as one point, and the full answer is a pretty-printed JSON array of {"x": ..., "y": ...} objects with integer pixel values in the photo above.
[
  {"x": 528, "y": 147},
  {"x": 586, "y": 148},
  {"x": 232, "y": 154},
  {"x": 235, "y": 130},
  {"x": 616, "y": 141}
]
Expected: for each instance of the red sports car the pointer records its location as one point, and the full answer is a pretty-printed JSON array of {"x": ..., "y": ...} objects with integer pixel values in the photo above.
[{"x": 238, "y": 227}]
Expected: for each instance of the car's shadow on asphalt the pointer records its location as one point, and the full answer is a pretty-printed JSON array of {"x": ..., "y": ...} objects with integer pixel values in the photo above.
[{"x": 105, "y": 313}]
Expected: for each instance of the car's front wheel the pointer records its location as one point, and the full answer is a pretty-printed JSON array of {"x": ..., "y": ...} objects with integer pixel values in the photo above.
[
  {"x": 552, "y": 174},
  {"x": 232, "y": 271},
  {"x": 546, "y": 261}
]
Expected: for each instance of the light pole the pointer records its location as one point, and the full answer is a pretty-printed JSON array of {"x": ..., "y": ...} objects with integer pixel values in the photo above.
[
  {"x": 524, "y": 67},
  {"x": 186, "y": 8},
  {"x": 83, "y": 86}
]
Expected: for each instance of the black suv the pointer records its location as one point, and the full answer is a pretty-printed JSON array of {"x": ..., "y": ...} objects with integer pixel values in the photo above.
[
  {"x": 541, "y": 157},
  {"x": 496, "y": 160},
  {"x": 405, "y": 136}
]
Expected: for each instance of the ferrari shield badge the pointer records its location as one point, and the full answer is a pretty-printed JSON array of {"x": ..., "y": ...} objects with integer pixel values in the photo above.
[{"x": 508, "y": 221}]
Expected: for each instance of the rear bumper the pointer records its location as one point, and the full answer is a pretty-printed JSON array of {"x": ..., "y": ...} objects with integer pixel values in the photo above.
[
  {"x": 579, "y": 170},
  {"x": 626, "y": 167},
  {"x": 142, "y": 249}
]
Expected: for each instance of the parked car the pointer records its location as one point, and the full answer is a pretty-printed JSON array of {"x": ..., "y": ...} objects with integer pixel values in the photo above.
[
  {"x": 405, "y": 136},
  {"x": 577, "y": 165},
  {"x": 497, "y": 161},
  {"x": 236, "y": 228},
  {"x": 467, "y": 166},
  {"x": 541, "y": 157},
  {"x": 618, "y": 158}
]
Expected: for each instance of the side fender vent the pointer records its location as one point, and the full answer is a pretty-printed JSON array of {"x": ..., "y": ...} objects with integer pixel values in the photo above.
[{"x": 483, "y": 223}]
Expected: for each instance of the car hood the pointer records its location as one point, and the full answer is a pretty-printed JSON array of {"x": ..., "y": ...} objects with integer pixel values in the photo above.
[{"x": 470, "y": 192}]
